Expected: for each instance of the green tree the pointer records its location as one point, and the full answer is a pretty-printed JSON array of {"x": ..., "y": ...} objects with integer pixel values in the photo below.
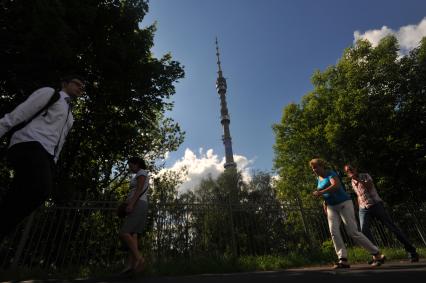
[
  {"x": 368, "y": 109},
  {"x": 128, "y": 89},
  {"x": 237, "y": 217},
  {"x": 165, "y": 186}
]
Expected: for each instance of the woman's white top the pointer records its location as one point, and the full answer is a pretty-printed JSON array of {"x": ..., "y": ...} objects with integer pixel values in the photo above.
[{"x": 134, "y": 183}]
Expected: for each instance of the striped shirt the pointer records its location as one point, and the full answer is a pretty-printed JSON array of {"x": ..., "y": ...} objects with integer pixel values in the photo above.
[{"x": 366, "y": 197}]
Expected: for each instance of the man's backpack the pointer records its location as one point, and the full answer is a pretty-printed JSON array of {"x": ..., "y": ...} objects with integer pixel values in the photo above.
[{"x": 55, "y": 97}]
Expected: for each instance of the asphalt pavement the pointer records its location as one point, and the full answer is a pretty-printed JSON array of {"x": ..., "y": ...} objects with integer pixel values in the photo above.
[{"x": 397, "y": 271}]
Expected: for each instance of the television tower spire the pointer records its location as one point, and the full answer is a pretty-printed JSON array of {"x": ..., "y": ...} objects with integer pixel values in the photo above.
[{"x": 225, "y": 120}]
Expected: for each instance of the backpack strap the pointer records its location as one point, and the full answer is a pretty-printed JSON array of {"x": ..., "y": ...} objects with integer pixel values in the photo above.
[
  {"x": 55, "y": 97},
  {"x": 339, "y": 175}
]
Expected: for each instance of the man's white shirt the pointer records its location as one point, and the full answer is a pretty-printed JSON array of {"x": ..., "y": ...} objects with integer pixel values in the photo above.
[{"x": 49, "y": 130}]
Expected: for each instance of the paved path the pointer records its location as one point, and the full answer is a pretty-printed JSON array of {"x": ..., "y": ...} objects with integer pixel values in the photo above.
[{"x": 402, "y": 272}]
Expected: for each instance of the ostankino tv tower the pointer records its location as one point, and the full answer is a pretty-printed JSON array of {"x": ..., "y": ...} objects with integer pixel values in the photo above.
[{"x": 225, "y": 120}]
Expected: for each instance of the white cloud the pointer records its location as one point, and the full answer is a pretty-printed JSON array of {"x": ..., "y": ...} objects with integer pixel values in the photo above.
[
  {"x": 166, "y": 155},
  {"x": 374, "y": 36},
  {"x": 408, "y": 36},
  {"x": 204, "y": 164}
]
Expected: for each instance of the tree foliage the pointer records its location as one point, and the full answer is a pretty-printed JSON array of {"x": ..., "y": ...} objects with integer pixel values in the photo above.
[
  {"x": 369, "y": 109},
  {"x": 238, "y": 217},
  {"x": 128, "y": 89}
]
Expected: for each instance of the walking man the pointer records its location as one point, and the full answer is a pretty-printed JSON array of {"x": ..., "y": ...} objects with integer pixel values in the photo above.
[
  {"x": 43, "y": 122},
  {"x": 371, "y": 206}
]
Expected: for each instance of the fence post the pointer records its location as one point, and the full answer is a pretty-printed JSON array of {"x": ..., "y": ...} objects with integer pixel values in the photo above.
[
  {"x": 22, "y": 241},
  {"x": 420, "y": 232},
  {"x": 231, "y": 221},
  {"x": 305, "y": 228}
]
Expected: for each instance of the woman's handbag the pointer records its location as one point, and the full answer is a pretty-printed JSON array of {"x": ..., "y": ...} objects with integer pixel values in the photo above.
[{"x": 121, "y": 210}]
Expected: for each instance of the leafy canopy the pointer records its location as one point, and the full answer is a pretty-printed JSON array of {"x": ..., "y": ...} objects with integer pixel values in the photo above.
[
  {"x": 369, "y": 110},
  {"x": 128, "y": 89}
]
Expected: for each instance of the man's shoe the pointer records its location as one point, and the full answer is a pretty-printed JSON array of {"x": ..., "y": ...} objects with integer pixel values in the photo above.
[{"x": 414, "y": 257}]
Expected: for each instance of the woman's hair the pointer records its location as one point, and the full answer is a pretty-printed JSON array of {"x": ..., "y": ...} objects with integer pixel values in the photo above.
[
  {"x": 138, "y": 161},
  {"x": 318, "y": 161}
]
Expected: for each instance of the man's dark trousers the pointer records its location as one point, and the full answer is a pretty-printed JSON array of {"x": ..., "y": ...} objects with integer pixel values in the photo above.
[
  {"x": 32, "y": 183},
  {"x": 378, "y": 211}
]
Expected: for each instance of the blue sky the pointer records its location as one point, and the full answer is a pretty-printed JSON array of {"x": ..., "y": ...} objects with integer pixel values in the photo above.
[{"x": 269, "y": 51}]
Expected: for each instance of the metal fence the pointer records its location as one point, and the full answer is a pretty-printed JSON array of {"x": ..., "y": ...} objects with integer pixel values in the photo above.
[{"x": 85, "y": 232}]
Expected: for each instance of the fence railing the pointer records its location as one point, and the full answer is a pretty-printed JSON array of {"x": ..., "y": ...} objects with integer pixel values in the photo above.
[{"x": 85, "y": 232}]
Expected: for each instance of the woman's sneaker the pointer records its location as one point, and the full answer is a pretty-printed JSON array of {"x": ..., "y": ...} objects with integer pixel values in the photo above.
[
  {"x": 377, "y": 261},
  {"x": 341, "y": 264}
]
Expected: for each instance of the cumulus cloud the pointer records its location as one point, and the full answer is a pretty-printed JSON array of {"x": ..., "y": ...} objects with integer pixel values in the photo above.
[
  {"x": 408, "y": 36},
  {"x": 206, "y": 164}
]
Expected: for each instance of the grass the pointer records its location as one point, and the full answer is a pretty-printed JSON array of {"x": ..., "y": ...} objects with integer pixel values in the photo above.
[
  {"x": 223, "y": 264},
  {"x": 358, "y": 255},
  {"x": 321, "y": 257}
]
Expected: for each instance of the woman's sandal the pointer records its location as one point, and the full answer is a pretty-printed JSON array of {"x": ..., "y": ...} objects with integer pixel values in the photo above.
[
  {"x": 140, "y": 266},
  {"x": 126, "y": 270}
]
